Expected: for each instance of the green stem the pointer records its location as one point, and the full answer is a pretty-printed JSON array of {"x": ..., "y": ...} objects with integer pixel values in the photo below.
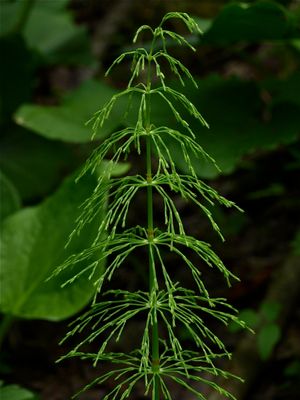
[
  {"x": 155, "y": 339},
  {"x": 152, "y": 274},
  {"x": 26, "y": 8},
  {"x": 5, "y": 326}
]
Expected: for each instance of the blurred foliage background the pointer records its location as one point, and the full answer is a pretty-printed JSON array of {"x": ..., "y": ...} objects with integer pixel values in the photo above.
[{"x": 53, "y": 57}]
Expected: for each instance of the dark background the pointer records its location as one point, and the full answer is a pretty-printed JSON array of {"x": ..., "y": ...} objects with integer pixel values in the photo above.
[{"x": 53, "y": 57}]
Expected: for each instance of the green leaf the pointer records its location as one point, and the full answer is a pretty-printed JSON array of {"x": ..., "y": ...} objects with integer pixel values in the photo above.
[
  {"x": 9, "y": 16},
  {"x": 284, "y": 91},
  {"x": 296, "y": 44},
  {"x": 66, "y": 122},
  {"x": 204, "y": 24},
  {"x": 16, "y": 392},
  {"x": 267, "y": 338},
  {"x": 50, "y": 29},
  {"x": 33, "y": 164},
  {"x": 53, "y": 6},
  {"x": 262, "y": 20},
  {"x": 233, "y": 108},
  {"x": 247, "y": 315},
  {"x": 270, "y": 311},
  {"x": 32, "y": 245},
  {"x": 293, "y": 369},
  {"x": 11, "y": 12},
  {"x": 9, "y": 197}
]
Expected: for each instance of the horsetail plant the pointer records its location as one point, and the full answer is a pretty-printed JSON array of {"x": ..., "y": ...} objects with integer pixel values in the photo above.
[{"x": 160, "y": 360}]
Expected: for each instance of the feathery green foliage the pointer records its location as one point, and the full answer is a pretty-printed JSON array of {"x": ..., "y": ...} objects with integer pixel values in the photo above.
[{"x": 160, "y": 358}]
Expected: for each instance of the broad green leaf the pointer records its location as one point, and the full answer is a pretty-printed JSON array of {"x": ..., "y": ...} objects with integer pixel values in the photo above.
[
  {"x": 9, "y": 197},
  {"x": 247, "y": 315},
  {"x": 284, "y": 91},
  {"x": 67, "y": 121},
  {"x": 296, "y": 44},
  {"x": 53, "y": 6},
  {"x": 32, "y": 245},
  {"x": 293, "y": 369},
  {"x": 204, "y": 24},
  {"x": 262, "y": 20},
  {"x": 33, "y": 164},
  {"x": 118, "y": 169},
  {"x": 233, "y": 108},
  {"x": 270, "y": 311},
  {"x": 267, "y": 338},
  {"x": 10, "y": 12},
  {"x": 48, "y": 31},
  {"x": 16, "y": 392}
]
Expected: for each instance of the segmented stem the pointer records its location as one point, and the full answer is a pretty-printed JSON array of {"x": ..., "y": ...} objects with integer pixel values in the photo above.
[{"x": 150, "y": 230}]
